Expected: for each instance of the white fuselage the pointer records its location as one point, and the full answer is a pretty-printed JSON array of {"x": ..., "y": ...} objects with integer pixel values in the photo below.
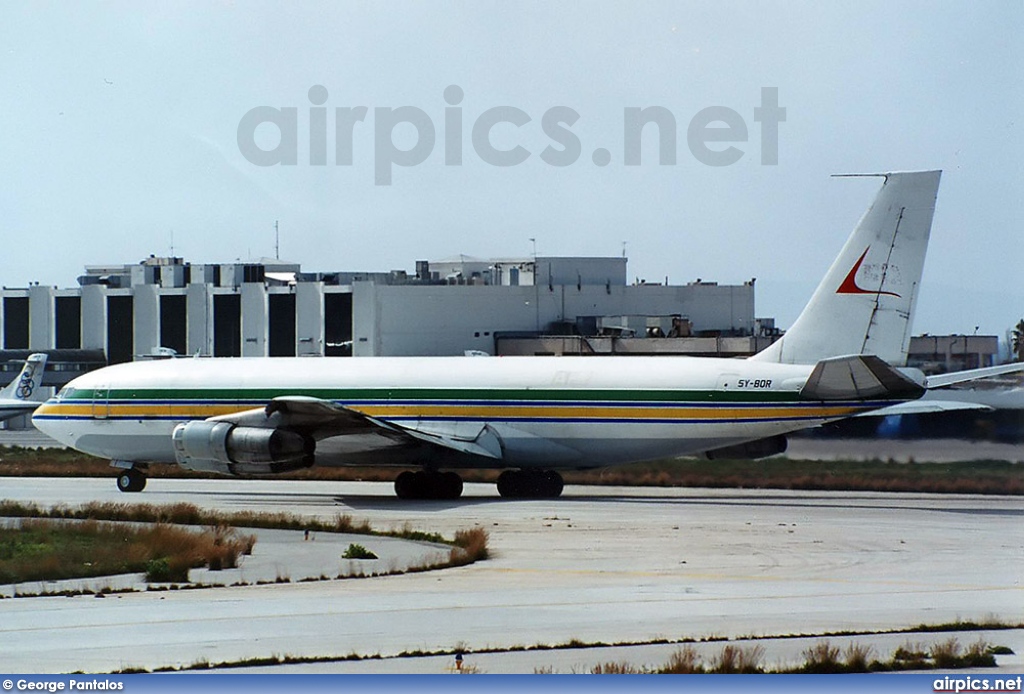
[{"x": 557, "y": 412}]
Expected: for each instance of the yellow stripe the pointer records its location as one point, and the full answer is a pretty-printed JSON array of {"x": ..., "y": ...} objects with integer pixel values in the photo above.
[
  {"x": 183, "y": 411},
  {"x": 536, "y": 411},
  {"x": 475, "y": 411}
]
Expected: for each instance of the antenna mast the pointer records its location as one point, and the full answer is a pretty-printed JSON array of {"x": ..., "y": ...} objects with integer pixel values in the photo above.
[{"x": 277, "y": 242}]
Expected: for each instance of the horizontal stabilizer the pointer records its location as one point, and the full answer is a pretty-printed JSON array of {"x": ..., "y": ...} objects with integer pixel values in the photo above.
[
  {"x": 924, "y": 407},
  {"x": 940, "y": 380},
  {"x": 858, "y": 377}
]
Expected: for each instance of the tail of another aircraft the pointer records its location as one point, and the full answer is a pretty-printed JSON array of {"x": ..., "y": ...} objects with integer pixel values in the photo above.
[
  {"x": 865, "y": 304},
  {"x": 27, "y": 382}
]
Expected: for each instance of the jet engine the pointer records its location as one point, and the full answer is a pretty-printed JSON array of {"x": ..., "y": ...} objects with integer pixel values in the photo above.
[
  {"x": 761, "y": 448},
  {"x": 229, "y": 449}
]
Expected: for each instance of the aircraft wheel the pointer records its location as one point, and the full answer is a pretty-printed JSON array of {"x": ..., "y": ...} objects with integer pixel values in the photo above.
[
  {"x": 553, "y": 484},
  {"x": 521, "y": 484},
  {"x": 131, "y": 480},
  {"x": 405, "y": 485},
  {"x": 439, "y": 485},
  {"x": 451, "y": 484},
  {"x": 507, "y": 484},
  {"x": 428, "y": 485},
  {"x": 531, "y": 485}
]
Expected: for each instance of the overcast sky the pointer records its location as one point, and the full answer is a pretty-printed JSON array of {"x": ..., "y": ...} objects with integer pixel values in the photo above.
[{"x": 119, "y": 130}]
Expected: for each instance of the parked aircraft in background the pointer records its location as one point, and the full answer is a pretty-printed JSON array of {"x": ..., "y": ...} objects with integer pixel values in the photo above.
[
  {"x": 21, "y": 396},
  {"x": 529, "y": 416}
]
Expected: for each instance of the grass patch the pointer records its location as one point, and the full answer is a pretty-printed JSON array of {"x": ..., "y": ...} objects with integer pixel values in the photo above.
[
  {"x": 686, "y": 660},
  {"x": 470, "y": 546},
  {"x": 222, "y": 548},
  {"x": 190, "y": 514},
  {"x": 51, "y": 550},
  {"x": 357, "y": 551},
  {"x": 821, "y": 658},
  {"x": 739, "y": 661},
  {"x": 989, "y": 623},
  {"x": 968, "y": 477}
]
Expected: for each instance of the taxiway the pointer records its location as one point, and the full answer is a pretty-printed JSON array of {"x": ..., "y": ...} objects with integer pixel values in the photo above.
[{"x": 609, "y": 565}]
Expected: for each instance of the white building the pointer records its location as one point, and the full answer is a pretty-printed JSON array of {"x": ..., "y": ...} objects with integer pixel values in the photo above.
[{"x": 272, "y": 308}]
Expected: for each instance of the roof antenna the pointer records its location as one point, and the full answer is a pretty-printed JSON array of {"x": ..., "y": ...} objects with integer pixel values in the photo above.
[{"x": 277, "y": 242}]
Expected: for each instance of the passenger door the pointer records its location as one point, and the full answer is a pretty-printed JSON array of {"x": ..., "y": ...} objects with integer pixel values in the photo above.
[{"x": 100, "y": 402}]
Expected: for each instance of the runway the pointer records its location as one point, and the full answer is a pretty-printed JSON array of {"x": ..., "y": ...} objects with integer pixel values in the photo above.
[
  {"x": 800, "y": 448},
  {"x": 608, "y": 565}
]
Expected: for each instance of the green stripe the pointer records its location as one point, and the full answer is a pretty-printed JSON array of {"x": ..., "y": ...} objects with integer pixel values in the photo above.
[{"x": 561, "y": 395}]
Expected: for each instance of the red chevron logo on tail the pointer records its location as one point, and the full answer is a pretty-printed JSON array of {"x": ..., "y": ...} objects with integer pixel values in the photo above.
[{"x": 850, "y": 286}]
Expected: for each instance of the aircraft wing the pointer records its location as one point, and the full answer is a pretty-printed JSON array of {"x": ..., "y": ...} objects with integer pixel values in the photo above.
[
  {"x": 312, "y": 417},
  {"x": 11, "y": 409},
  {"x": 322, "y": 419}
]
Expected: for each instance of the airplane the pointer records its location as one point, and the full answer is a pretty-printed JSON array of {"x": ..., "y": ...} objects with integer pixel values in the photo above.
[
  {"x": 16, "y": 398},
  {"x": 528, "y": 416}
]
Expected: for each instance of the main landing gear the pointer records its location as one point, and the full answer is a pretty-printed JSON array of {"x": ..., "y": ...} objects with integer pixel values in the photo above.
[
  {"x": 428, "y": 485},
  {"x": 131, "y": 480},
  {"x": 512, "y": 484},
  {"x": 530, "y": 484}
]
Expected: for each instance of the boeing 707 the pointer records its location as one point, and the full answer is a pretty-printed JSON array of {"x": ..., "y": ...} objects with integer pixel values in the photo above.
[{"x": 528, "y": 416}]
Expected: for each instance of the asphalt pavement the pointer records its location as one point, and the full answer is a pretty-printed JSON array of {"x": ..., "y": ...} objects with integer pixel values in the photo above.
[{"x": 609, "y": 565}]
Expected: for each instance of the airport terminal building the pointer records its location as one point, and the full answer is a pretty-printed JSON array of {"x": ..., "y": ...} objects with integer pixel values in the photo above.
[
  {"x": 500, "y": 306},
  {"x": 269, "y": 307}
]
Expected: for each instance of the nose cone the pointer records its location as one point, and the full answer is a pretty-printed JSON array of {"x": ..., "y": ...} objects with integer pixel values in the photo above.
[{"x": 51, "y": 419}]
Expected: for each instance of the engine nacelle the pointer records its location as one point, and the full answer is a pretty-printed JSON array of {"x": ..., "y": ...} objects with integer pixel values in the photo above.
[
  {"x": 762, "y": 448},
  {"x": 230, "y": 449}
]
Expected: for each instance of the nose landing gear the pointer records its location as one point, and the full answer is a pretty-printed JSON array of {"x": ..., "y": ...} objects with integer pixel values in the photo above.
[{"x": 131, "y": 480}]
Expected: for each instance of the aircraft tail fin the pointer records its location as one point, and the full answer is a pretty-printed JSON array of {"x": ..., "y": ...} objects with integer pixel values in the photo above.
[
  {"x": 27, "y": 382},
  {"x": 865, "y": 304}
]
